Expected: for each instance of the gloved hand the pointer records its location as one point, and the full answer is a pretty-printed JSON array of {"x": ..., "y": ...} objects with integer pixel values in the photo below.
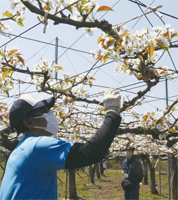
[{"x": 112, "y": 100}]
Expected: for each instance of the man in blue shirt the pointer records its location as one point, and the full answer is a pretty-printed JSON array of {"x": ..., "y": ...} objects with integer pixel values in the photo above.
[
  {"x": 31, "y": 170},
  {"x": 133, "y": 174}
]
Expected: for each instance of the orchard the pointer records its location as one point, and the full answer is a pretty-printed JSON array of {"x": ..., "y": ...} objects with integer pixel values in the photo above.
[{"x": 132, "y": 57}]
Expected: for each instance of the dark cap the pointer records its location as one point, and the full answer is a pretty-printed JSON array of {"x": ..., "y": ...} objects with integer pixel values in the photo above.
[
  {"x": 130, "y": 148},
  {"x": 23, "y": 105}
]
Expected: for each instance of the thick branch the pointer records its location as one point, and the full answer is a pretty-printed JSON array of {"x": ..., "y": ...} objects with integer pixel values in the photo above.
[
  {"x": 6, "y": 130},
  {"x": 22, "y": 70},
  {"x": 72, "y": 96},
  {"x": 103, "y": 25},
  {"x": 139, "y": 131}
]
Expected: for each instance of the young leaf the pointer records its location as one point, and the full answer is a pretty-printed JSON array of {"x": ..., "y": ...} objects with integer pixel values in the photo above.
[
  {"x": 140, "y": 76},
  {"x": 118, "y": 47},
  {"x": 83, "y": 2},
  {"x": 110, "y": 42},
  {"x": 4, "y": 73},
  {"x": 105, "y": 59},
  {"x": 174, "y": 35},
  {"x": 11, "y": 85},
  {"x": 161, "y": 44},
  {"x": 59, "y": 67},
  {"x": 7, "y": 13},
  {"x": 21, "y": 59},
  {"x": 104, "y": 8},
  {"x": 19, "y": 22},
  {"x": 163, "y": 72},
  {"x": 70, "y": 9},
  {"x": 90, "y": 83},
  {"x": 12, "y": 51},
  {"x": 118, "y": 28},
  {"x": 91, "y": 78},
  {"x": 100, "y": 39},
  {"x": 165, "y": 34},
  {"x": 124, "y": 35},
  {"x": 46, "y": 8},
  {"x": 145, "y": 117},
  {"x": 98, "y": 58},
  {"x": 151, "y": 51}
]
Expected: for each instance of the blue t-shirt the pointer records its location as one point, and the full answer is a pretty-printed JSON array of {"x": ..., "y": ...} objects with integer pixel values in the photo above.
[{"x": 31, "y": 170}]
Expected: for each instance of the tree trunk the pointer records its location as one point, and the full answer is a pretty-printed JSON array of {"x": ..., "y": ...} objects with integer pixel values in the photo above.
[
  {"x": 72, "y": 185},
  {"x": 101, "y": 168},
  {"x": 152, "y": 174},
  {"x": 145, "y": 171},
  {"x": 91, "y": 174},
  {"x": 97, "y": 171},
  {"x": 174, "y": 180}
]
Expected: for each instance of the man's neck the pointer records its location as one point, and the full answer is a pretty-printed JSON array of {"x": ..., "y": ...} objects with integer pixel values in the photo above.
[{"x": 38, "y": 132}]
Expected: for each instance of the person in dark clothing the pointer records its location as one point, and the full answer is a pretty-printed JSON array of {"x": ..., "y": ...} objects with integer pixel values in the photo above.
[
  {"x": 133, "y": 174},
  {"x": 31, "y": 170}
]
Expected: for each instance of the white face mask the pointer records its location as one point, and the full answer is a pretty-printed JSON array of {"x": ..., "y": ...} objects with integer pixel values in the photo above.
[
  {"x": 128, "y": 155},
  {"x": 52, "y": 124}
]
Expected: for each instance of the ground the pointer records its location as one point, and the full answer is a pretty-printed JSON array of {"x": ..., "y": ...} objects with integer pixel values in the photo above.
[{"x": 109, "y": 187}]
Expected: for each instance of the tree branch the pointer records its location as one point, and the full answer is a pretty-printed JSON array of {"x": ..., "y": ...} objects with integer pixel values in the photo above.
[
  {"x": 168, "y": 110},
  {"x": 150, "y": 84},
  {"x": 103, "y": 25},
  {"x": 139, "y": 131}
]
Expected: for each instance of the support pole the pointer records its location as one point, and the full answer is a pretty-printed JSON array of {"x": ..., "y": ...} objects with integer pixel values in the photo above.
[
  {"x": 66, "y": 185},
  {"x": 177, "y": 177},
  {"x": 56, "y": 53},
  {"x": 160, "y": 175},
  {"x": 168, "y": 156}
]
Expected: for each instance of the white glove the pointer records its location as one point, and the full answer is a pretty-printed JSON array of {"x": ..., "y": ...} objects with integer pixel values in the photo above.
[{"x": 112, "y": 100}]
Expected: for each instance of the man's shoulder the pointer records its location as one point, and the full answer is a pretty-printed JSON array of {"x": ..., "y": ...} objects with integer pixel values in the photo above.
[{"x": 135, "y": 160}]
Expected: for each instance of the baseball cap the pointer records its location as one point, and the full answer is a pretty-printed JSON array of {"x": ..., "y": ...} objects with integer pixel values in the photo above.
[
  {"x": 23, "y": 105},
  {"x": 130, "y": 148}
]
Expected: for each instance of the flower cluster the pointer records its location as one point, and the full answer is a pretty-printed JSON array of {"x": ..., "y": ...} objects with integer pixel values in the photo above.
[
  {"x": 125, "y": 51},
  {"x": 4, "y": 116}
]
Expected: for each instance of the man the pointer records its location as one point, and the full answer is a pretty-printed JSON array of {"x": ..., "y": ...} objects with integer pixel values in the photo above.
[
  {"x": 133, "y": 174},
  {"x": 31, "y": 170}
]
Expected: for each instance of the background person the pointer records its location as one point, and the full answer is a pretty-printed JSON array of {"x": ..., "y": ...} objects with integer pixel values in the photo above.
[
  {"x": 31, "y": 170},
  {"x": 133, "y": 174}
]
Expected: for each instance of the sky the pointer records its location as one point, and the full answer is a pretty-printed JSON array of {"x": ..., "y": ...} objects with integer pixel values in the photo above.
[{"x": 74, "y": 62}]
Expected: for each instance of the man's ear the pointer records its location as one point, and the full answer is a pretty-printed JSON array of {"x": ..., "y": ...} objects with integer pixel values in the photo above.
[{"x": 28, "y": 123}]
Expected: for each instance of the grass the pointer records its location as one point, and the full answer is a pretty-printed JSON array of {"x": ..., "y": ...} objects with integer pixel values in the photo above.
[{"x": 108, "y": 187}]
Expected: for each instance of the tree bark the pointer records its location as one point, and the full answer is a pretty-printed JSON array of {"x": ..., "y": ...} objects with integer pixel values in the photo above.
[
  {"x": 97, "y": 171},
  {"x": 145, "y": 171},
  {"x": 152, "y": 174},
  {"x": 91, "y": 174},
  {"x": 101, "y": 168},
  {"x": 174, "y": 180},
  {"x": 72, "y": 185}
]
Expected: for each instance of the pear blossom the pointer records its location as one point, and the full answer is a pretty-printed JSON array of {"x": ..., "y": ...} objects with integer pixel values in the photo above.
[{"x": 89, "y": 31}]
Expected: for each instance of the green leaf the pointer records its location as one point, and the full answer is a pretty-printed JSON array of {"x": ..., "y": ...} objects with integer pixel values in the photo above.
[
  {"x": 19, "y": 22},
  {"x": 6, "y": 72},
  {"x": 70, "y": 9},
  {"x": 90, "y": 83},
  {"x": 174, "y": 35},
  {"x": 83, "y": 2},
  {"x": 7, "y": 13}
]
